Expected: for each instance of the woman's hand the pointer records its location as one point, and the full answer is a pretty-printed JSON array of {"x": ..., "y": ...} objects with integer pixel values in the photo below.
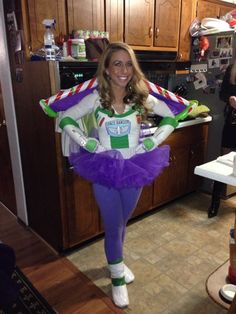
[
  {"x": 232, "y": 101},
  {"x": 147, "y": 145},
  {"x": 93, "y": 146},
  {"x": 100, "y": 149},
  {"x": 71, "y": 127}
]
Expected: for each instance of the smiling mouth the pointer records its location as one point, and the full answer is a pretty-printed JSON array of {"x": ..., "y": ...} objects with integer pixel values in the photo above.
[{"x": 123, "y": 78}]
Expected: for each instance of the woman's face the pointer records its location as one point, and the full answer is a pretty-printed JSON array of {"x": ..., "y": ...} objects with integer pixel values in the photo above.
[{"x": 120, "y": 69}]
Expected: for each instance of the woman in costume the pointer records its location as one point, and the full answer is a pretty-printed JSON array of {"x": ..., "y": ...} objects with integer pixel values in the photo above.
[{"x": 118, "y": 162}]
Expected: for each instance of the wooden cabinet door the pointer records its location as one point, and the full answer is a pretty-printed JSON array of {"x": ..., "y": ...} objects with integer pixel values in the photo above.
[
  {"x": 44, "y": 9},
  {"x": 196, "y": 158},
  {"x": 225, "y": 9},
  {"x": 115, "y": 20},
  {"x": 197, "y": 153},
  {"x": 172, "y": 182},
  {"x": 145, "y": 201},
  {"x": 167, "y": 23},
  {"x": 139, "y": 22},
  {"x": 82, "y": 212},
  {"x": 213, "y": 8},
  {"x": 207, "y": 9},
  {"x": 188, "y": 13},
  {"x": 86, "y": 14}
]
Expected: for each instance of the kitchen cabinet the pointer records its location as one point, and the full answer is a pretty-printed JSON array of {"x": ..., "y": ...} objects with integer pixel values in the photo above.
[
  {"x": 223, "y": 9},
  {"x": 172, "y": 182},
  {"x": 145, "y": 202},
  {"x": 152, "y": 24},
  {"x": 86, "y": 14},
  {"x": 196, "y": 157},
  {"x": 163, "y": 25},
  {"x": 213, "y": 8},
  {"x": 83, "y": 219},
  {"x": 139, "y": 22},
  {"x": 188, "y": 149},
  {"x": 167, "y": 24},
  {"x": 188, "y": 13},
  {"x": 115, "y": 20},
  {"x": 77, "y": 14},
  {"x": 36, "y": 12}
]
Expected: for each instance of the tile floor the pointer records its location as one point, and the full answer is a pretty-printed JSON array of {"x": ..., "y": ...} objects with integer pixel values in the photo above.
[{"x": 171, "y": 252}]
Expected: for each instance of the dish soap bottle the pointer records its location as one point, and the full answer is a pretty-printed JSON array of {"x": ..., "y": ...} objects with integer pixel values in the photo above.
[{"x": 49, "y": 41}]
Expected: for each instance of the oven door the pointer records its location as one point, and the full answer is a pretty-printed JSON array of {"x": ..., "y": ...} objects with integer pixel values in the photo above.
[{"x": 74, "y": 73}]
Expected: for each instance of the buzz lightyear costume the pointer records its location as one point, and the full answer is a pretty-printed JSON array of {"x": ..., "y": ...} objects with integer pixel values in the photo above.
[
  {"x": 115, "y": 159},
  {"x": 118, "y": 165},
  {"x": 119, "y": 160}
]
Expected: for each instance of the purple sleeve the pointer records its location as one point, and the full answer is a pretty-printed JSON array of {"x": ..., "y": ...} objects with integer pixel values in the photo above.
[{"x": 69, "y": 101}]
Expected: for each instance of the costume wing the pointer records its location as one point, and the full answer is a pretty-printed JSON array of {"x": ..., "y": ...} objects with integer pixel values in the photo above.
[
  {"x": 65, "y": 99},
  {"x": 70, "y": 97}
]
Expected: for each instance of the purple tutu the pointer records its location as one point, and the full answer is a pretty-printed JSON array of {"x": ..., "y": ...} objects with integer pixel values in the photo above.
[{"x": 109, "y": 168}]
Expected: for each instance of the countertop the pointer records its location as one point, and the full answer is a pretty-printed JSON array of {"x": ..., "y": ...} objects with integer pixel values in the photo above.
[
  {"x": 182, "y": 124},
  {"x": 218, "y": 170}
]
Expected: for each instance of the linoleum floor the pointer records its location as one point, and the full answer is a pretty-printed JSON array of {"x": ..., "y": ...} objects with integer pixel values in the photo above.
[{"x": 171, "y": 252}]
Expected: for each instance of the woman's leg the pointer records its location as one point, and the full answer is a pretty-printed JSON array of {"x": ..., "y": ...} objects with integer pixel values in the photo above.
[
  {"x": 129, "y": 199},
  {"x": 110, "y": 206}
]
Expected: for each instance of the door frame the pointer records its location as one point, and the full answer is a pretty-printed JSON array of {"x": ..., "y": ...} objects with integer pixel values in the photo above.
[{"x": 12, "y": 133}]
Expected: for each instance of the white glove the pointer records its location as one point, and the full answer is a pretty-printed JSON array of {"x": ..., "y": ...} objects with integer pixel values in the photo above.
[
  {"x": 140, "y": 149},
  {"x": 162, "y": 133},
  {"x": 92, "y": 145},
  {"x": 151, "y": 142}
]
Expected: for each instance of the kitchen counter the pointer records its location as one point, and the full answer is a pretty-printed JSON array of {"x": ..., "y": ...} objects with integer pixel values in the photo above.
[{"x": 182, "y": 124}]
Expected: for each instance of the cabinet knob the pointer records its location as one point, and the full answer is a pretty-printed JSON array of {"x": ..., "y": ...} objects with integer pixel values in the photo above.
[
  {"x": 157, "y": 31},
  {"x": 150, "y": 32}
]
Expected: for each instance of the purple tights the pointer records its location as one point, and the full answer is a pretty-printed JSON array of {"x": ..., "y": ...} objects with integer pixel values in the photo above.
[{"x": 116, "y": 207}]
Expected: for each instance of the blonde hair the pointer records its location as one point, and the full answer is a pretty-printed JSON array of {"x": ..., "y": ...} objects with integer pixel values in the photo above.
[
  {"x": 137, "y": 90},
  {"x": 233, "y": 74}
]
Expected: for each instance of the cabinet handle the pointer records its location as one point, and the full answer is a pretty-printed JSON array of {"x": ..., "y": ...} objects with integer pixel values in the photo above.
[
  {"x": 180, "y": 56},
  {"x": 150, "y": 31},
  {"x": 2, "y": 123},
  {"x": 157, "y": 32}
]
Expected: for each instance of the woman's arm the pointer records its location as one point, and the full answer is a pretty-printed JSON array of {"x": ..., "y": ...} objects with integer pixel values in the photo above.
[
  {"x": 68, "y": 123},
  {"x": 166, "y": 127}
]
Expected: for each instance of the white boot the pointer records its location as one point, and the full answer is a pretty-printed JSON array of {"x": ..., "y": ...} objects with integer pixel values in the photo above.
[
  {"x": 129, "y": 275},
  {"x": 119, "y": 289}
]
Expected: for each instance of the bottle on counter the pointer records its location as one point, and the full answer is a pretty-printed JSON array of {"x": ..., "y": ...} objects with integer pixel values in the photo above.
[{"x": 49, "y": 40}]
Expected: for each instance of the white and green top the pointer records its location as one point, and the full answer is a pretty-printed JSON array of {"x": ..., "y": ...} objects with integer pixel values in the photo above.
[{"x": 118, "y": 131}]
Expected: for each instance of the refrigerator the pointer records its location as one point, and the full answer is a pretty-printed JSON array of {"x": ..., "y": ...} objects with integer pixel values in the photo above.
[{"x": 207, "y": 68}]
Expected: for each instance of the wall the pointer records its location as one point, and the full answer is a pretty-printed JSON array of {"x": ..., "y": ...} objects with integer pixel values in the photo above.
[{"x": 9, "y": 109}]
